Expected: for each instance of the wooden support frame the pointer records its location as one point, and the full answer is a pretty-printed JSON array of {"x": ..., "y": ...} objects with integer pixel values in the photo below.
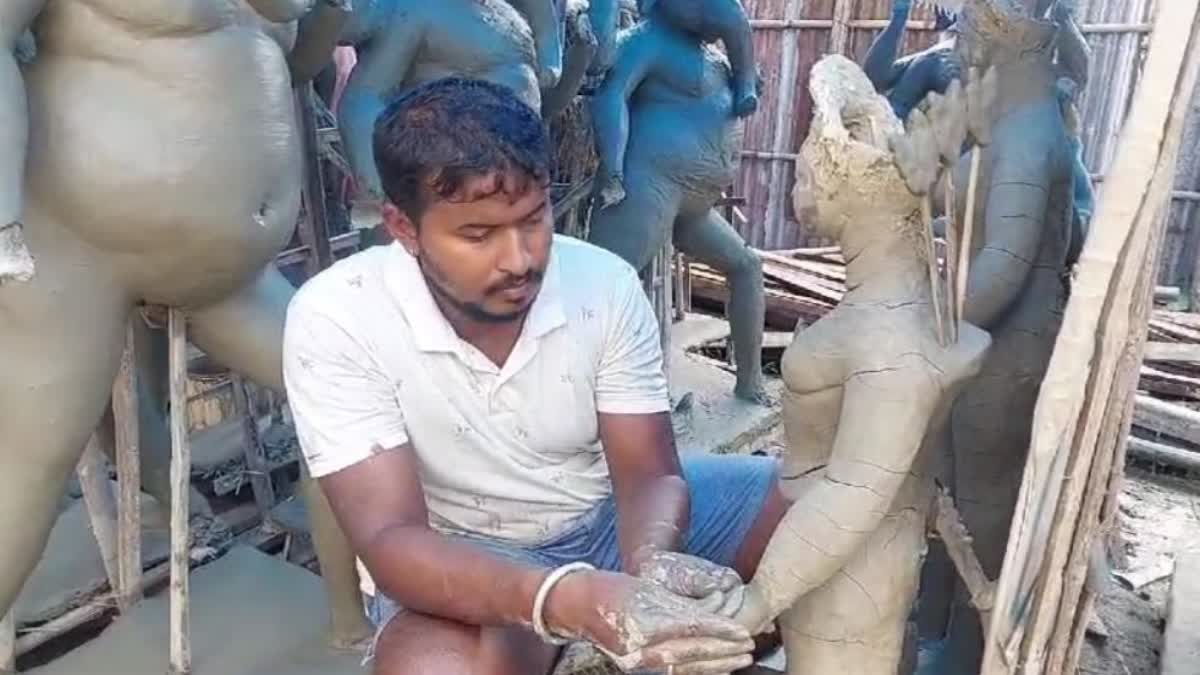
[
  {"x": 129, "y": 478},
  {"x": 181, "y": 464}
]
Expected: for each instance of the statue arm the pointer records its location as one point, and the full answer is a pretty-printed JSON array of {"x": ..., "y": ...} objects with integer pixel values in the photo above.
[
  {"x": 383, "y": 64},
  {"x": 15, "y": 17},
  {"x": 316, "y": 38},
  {"x": 881, "y": 65},
  {"x": 1014, "y": 216},
  {"x": 1074, "y": 53},
  {"x": 884, "y": 416},
  {"x": 544, "y": 21},
  {"x": 578, "y": 59},
  {"x": 610, "y": 103},
  {"x": 604, "y": 16},
  {"x": 281, "y": 11}
]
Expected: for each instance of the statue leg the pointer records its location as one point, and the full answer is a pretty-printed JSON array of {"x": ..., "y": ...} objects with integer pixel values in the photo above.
[
  {"x": 61, "y": 337},
  {"x": 856, "y": 622},
  {"x": 709, "y": 239},
  {"x": 245, "y": 334},
  {"x": 637, "y": 227}
]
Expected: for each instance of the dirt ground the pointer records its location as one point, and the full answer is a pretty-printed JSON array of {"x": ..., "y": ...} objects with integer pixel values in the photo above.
[{"x": 1159, "y": 513}]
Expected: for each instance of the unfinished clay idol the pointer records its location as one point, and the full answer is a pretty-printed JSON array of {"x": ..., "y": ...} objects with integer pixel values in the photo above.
[
  {"x": 150, "y": 155},
  {"x": 668, "y": 140},
  {"x": 867, "y": 386}
]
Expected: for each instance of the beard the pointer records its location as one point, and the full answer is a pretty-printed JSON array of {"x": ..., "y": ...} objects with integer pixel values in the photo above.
[{"x": 476, "y": 311}]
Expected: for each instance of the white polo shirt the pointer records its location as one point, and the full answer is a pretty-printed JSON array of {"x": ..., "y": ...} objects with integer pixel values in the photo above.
[{"x": 506, "y": 452}]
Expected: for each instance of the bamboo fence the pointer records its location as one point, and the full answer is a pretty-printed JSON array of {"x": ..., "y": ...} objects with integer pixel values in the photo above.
[{"x": 790, "y": 35}]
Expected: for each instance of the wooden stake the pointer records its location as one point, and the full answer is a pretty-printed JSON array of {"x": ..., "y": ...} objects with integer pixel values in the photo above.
[
  {"x": 255, "y": 453},
  {"x": 958, "y": 546},
  {"x": 181, "y": 456},
  {"x": 8, "y": 643},
  {"x": 952, "y": 244},
  {"x": 935, "y": 277},
  {"x": 101, "y": 506},
  {"x": 963, "y": 268},
  {"x": 129, "y": 479}
]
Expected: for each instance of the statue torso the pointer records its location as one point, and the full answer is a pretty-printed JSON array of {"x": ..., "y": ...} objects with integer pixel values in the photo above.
[
  {"x": 487, "y": 39},
  {"x": 162, "y": 132}
]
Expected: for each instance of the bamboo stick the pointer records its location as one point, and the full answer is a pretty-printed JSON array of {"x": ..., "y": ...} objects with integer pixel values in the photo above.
[
  {"x": 181, "y": 658},
  {"x": 954, "y": 306},
  {"x": 957, "y": 540},
  {"x": 935, "y": 278},
  {"x": 839, "y": 32},
  {"x": 963, "y": 269},
  {"x": 129, "y": 479},
  {"x": 101, "y": 506},
  {"x": 879, "y": 24}
]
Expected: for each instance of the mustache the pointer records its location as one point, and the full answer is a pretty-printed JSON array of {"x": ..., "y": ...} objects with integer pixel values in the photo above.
[{"x": 533, "y": 276}]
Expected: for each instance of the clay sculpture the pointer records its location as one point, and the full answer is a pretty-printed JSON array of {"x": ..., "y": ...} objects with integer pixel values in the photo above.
[
  {"x": 866, "y": 387},
  {"x": 667, "y": 140},
  {"x": 710, "y": 21},
  {"x": 906, "y": 80},
  {"x": 150, "y": 156},
  {"x": 1018, "y": 283}
]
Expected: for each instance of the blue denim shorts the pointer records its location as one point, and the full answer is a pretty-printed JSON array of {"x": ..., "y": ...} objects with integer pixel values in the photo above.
[{"x": 727, "y": 495}]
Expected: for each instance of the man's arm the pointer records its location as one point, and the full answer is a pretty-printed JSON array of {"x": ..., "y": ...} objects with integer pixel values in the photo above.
[
  {"x": 15, "y": 17},
  {"x": 635, "y": 429},
  {"x": 384, "y": 62}
]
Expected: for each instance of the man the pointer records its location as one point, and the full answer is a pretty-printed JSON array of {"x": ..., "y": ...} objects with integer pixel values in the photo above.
[{"x": 484, "y": 402}]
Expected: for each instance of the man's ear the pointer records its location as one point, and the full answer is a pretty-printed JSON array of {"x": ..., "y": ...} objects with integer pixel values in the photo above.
[{"x": 400, "y": 227}]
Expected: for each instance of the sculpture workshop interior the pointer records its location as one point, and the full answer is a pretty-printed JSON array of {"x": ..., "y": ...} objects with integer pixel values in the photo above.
[{"x": 940, "y": 261}]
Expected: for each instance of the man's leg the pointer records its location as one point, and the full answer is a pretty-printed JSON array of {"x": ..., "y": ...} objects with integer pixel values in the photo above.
[{"x": 417, "y": 644}]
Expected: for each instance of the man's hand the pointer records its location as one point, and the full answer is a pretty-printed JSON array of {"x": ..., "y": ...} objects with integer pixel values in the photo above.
[
  {"x": 641, "y": 625},
  {"x": 719, "y": 588},
  {"x": 754, "y": 614}
]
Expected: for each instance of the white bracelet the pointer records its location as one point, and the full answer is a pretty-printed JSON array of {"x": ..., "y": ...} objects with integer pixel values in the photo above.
[{"x": 539, "y": 600}]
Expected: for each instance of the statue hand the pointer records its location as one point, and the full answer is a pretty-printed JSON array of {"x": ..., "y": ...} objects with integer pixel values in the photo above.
[
  {"x": 1061, "y": 12},
  {"x": 16, "y": 262},
  {"x": 612, "y": 191},
  {"x": 901, "y": 8},
  {"x": 754, "y": 614}
]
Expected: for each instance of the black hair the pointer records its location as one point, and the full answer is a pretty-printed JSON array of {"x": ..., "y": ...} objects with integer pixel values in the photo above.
[{"x": 431, "y": 140}]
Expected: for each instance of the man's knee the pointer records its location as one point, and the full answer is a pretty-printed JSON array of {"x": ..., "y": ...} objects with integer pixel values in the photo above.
[{"x": 414, "y": 644}]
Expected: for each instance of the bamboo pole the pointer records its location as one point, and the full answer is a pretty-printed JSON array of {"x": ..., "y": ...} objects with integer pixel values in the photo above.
[
  {"x": 782, "y": 140},
  {"x": 879, "y": 24},
  {"x": 181, "y": 456},
  {"x": 1031, "y": 582},
  {"x": 129, "y": 479},
  {"x": 101, "y": 507}
]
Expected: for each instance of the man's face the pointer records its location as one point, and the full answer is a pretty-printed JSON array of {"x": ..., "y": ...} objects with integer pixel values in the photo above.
[{"x": 483, "y": 252}]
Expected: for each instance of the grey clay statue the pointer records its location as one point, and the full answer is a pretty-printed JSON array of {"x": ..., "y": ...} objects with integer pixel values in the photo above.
[
  {"x": 149, "y": 155},
  {"x": 667, "y": 140},
  {"x": 1017, "y": 286}
]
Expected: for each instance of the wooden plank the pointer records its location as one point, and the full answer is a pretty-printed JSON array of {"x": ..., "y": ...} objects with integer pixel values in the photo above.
[
  {"x": 1175, "y": 352},
  {"x": 1169, "y": 384},
  {"x": 101, "y": 504},
  {"x": 1181, "y": 641},
  {"x": 1168, "y": 419},
  {"x": 254, "y": 451},
  {"x": 181, "y": 464},
  {"x": 129, "y": 479}
]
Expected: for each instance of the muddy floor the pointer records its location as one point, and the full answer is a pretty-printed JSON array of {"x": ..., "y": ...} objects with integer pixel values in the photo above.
[{"x": 1159, "y": 514}]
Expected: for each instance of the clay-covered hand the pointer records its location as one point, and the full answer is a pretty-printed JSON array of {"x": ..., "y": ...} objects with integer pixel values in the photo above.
[
  {"x": 611, "y": 190},
  {"x": 718, "y": 588},
  {"x": 641, "y": 625},
  {"x": 16, "y": 263}
]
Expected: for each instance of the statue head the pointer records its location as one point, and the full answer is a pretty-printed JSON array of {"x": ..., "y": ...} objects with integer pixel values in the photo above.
[
  {"x": 998, "y": 32},
  {"x": 847, "y": 175}
]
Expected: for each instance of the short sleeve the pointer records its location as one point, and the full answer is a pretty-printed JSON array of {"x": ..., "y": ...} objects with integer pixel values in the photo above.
[
  {"x": 345, "y": 408},
  {"x": 631, "y": 378}
]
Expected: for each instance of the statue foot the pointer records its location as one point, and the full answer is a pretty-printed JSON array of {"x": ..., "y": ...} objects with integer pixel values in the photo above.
[
  {"x": 753, "y": 392},
  {"x": 745, "y": 104}
]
